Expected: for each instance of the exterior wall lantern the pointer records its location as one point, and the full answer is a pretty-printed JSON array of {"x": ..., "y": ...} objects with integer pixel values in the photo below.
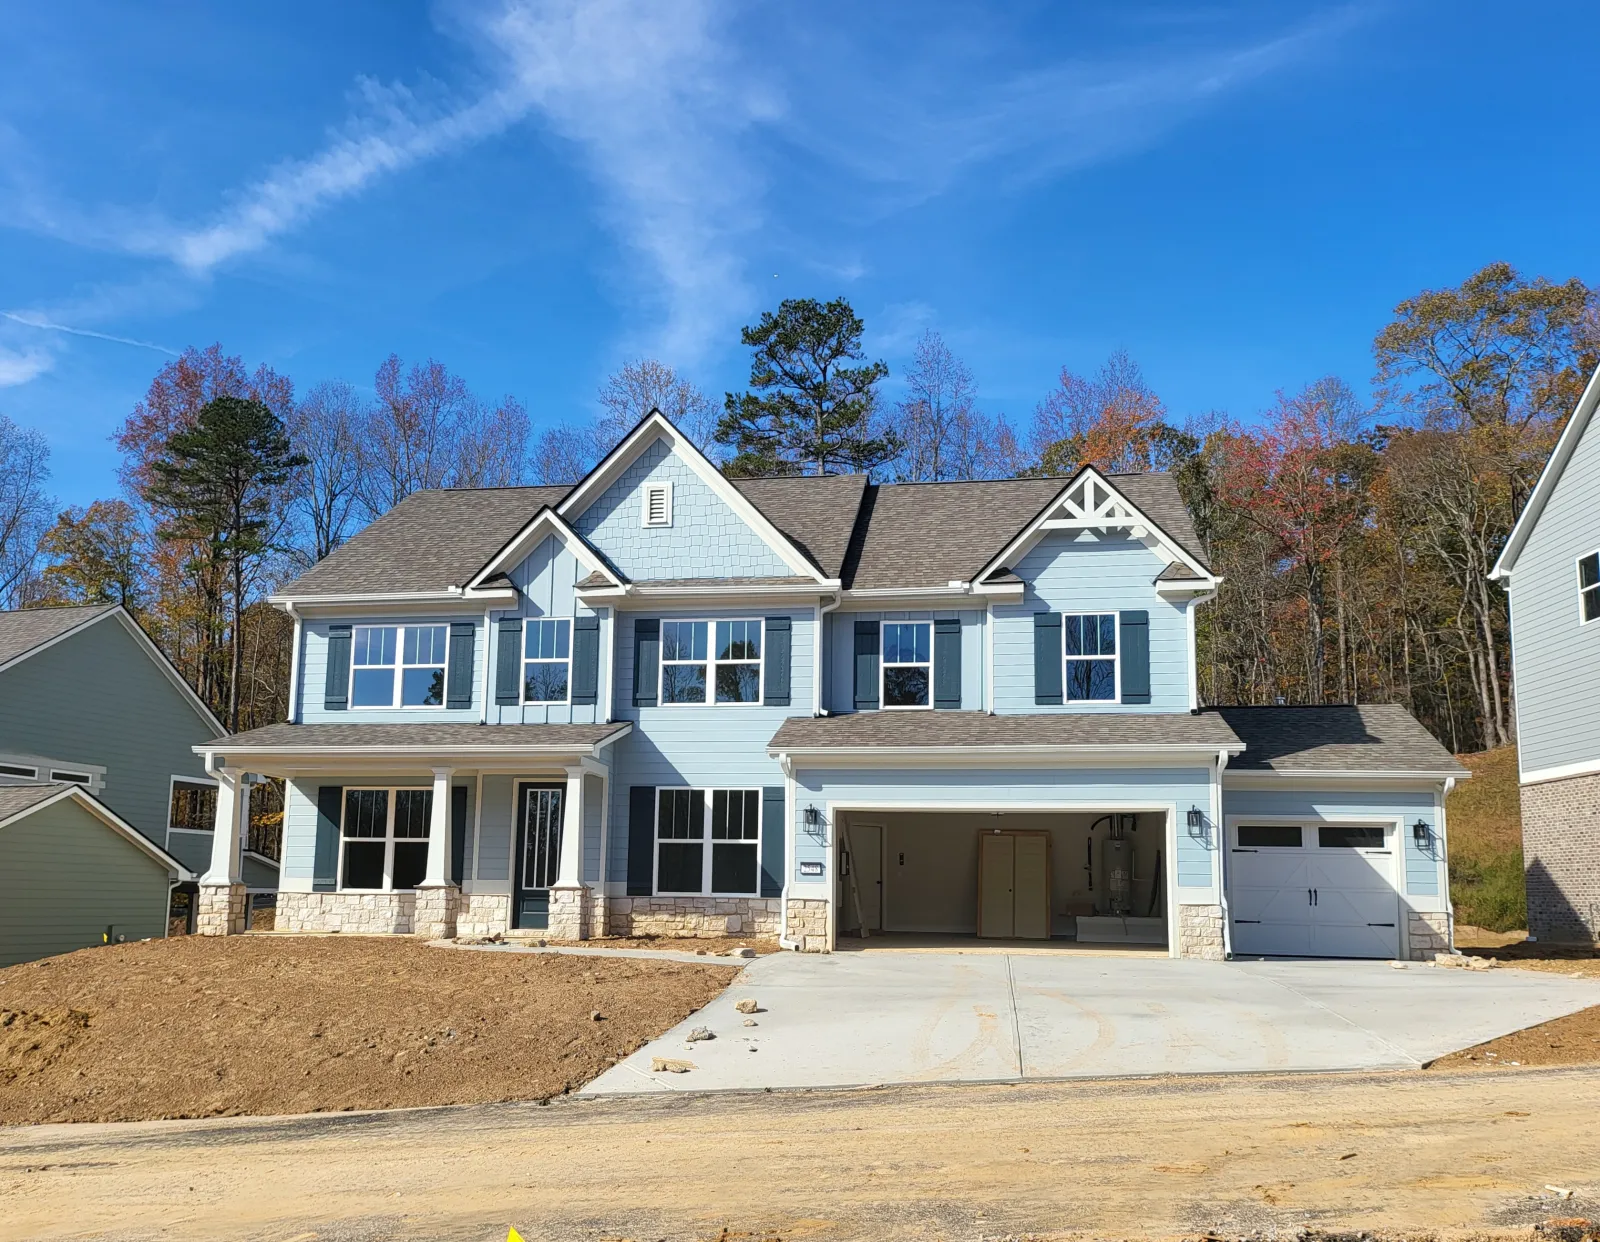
[{"x": 1421, "y": 834}]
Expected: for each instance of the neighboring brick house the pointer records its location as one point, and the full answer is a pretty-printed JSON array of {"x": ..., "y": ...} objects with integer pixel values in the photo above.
[
  {"x": 666, "y": 702},
  {"x": 1551, "y": 571}
]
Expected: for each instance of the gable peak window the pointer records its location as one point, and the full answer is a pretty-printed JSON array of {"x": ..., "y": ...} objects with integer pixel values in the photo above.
[
  {"x": 398, "y": 665},
  {"x": 907, "y": 664},
  {"x": 546, "y": 659},
  {"x": 656, "y": 505},
  {"x": 1589, "y": 587},
  {"x": 1089, "y": 643}
]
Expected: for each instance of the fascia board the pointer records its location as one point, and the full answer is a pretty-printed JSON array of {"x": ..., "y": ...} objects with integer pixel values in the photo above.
[
  {"x": 1306, "y": 777},
  {"x": 409, "y": 750},
  {"x": 1566, "y": 445},
  {"x": 387, "y": 600},
  {"x": 530, "y": 537},
  {"x": 989, "y": 756},
  {"x": 657, "y": 425}
]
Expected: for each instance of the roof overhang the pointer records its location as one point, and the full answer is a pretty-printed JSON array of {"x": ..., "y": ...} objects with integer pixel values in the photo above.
[
  {"x": 111, "y": 819},
  {"x": 744, "y": 594},
  {"x": 1000, "y": 756},
  {"x": 546, "y": 523},
  {"x": 1314, "y": 778},
  {"x": 1566, "y": 445},
  {"x": 277, "y": 758},
  {"x": 447, "y": 599}
]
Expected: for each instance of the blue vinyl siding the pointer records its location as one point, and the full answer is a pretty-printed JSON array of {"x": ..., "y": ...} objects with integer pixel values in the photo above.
[
  {"x": 1108, "y": 575},
  {"x": 300, "y": 816},
  {"x": 980, "y": 788},
  {"x": 1422, "y": 870},
  {"x": 592, "y": 809},
  {"x": 839, "y": 653},
  {"x": 314, "y": 673},
  {"x": 706, "y": 538},
  {"x": 546, "y": 582},
  {"x": 494, "y": 830}
]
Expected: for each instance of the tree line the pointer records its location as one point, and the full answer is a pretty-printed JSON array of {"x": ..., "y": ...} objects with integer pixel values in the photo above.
[{"x": 1353, "y": 535}]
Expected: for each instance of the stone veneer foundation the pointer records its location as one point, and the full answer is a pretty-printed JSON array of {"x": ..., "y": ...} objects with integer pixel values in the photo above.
[
  {"x": 1561, "y": 859},
  {"x": 808, "y": 924},
  {"x": 435, "y": 914},
  {"x": 483, "y": 914},
  {"x": 1427, "y": 935},
  {"x": 363, "y": 913},
  {"x": 221, "y": 910},
  {"x": 693, "y": 917},
  {"x": 1200, "y": 933}
]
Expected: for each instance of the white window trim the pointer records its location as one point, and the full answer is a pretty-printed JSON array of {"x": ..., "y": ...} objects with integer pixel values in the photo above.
[
  {"x": 1578, "y": 570},
  {"x": 1116, "y": 659},
  {"x": 399, "y": 666},
  {"x": 662, "y": 489},
  {"x": 388, "y": 837},
  {"x": 525, "y": 661},
  {"x": 711, "y": 663},
  {"x": 884, "y": 666},
  {"x": 43, "y": 769},
  {"x": 704, "y": 841},
  {"x": 21, "y": 771},
  {"x": 172, "y": 784},
  {"x": 1394, "y": 840}
]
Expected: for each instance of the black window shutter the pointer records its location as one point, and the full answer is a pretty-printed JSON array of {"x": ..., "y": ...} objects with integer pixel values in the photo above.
[
  {"x": 585, "y": 659},
  {"x": 336, "y": 686},
  {"x": 458, "y": 677},
  {"x": 641, "y": 840},
  {"x": 325, "y": 859},
  {"x": 1134, "y": 639},
  {"x": 947, "y": 663},
  {"x": 458, "y": 833},
  {"x": 508, "y": 663},
  {"x": 646, "y": 660},
  {"x": 778, "y": 638},
  {"x": 773, "y": 835},
  {"x": 1046, "y": 657},
  {"x": 867, "y": 647}
]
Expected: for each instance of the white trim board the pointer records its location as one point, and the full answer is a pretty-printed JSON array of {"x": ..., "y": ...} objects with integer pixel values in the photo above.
[
  {"x": 1565, "y": 771},
  {"x": 545, "y": 523}
]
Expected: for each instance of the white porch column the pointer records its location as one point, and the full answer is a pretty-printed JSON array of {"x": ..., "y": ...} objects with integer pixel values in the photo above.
[
  {"x": 569, "y": 874},
  {"x": 227, "y": 837},
  {"x": 438, "y": 872}
]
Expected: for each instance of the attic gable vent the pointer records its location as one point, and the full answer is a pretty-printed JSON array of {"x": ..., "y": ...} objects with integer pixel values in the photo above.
[{"x": 657, "y": 507}]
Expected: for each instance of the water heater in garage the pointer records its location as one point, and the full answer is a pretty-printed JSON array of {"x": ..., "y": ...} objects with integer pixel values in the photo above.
[{"x": 1116, "y": 866}]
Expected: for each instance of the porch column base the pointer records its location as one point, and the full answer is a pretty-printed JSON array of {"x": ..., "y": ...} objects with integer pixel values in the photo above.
[
  {"x": 221, "y": 910},
  {"x": 808, "y": 924},
  {"x": 437, "y": 909},
  {"x": 570, "y": 909}
]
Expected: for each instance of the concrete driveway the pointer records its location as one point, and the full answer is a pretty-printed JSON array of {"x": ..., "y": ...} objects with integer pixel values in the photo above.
[{"x": 877, "y": 1017}]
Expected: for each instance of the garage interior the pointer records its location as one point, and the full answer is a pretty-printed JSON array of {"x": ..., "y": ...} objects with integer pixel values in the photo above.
[{"x": 1095, "y": 879}]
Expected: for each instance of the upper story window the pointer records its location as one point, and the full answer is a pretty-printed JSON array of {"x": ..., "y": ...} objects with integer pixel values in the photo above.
[
  {"x": 1589, "y": 587},
  {"x": 907, "y": 664},
  {"x": 384, "y": 838},
  {"x": 193, "y": 807},
  {"x": 409, "y": 659},
  {"x": 546, "y": 660},
  {"x": 1089, "y": 642},
  {"x": 656, "y": 505},
  {"x": 692, "y": 665}
]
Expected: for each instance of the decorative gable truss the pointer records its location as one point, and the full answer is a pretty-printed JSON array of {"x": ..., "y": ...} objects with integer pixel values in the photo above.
[
  {"x": 491, "y": 580},
  {"x": 1089, "y": 505}
]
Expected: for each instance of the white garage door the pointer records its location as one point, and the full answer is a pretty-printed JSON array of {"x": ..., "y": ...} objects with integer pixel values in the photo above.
[{"x": 1314, "y": 890}]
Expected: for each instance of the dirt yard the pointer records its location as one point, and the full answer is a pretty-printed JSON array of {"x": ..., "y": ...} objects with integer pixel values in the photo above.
[{"x": 200, "y": 1027}]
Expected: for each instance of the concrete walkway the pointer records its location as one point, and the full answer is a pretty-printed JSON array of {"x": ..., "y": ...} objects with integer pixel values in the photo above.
[{"x": 867, "y": 1019}]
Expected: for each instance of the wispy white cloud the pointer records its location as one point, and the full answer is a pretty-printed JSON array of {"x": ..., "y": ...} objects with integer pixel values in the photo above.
[
  {"x": 44, "y": 325},
  {"x": 19, "y": 366}
]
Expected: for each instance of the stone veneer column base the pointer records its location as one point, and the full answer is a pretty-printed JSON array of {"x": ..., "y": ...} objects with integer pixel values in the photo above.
[
  {"x": 392, "y": 914},
  {"x": 569, "y": 913},
  {"x": 483, "y": 914},
  {"x": 221, "y": 910},
  {"x": 1427, "y": 935},
  {"x": 693, "y": 917},
  {"x": 1561, "y": 859},
  {"x": 1200, "y": 933},
  {"x": 808, "y": 924},
  {"x": 435, "y": 914}
]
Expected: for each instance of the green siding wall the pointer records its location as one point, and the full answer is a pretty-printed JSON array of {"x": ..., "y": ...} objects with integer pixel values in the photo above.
[
  {"x": 64, "y": 875},
  {"x": 97, "y": 697}
]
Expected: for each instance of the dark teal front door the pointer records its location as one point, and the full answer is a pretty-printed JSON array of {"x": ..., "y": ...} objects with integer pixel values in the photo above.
[{"x": 539, "y": 809}]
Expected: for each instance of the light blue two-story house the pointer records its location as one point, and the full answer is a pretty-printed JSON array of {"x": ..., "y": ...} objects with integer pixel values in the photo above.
[{"x": 665, "y": 702}]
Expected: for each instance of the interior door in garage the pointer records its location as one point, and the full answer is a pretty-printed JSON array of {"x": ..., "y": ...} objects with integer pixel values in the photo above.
[
  {"x": 1322, "y": 890},
  {"x": 1014, "y": 885}
]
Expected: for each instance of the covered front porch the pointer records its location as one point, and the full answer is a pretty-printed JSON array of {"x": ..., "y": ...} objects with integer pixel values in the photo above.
[{"x": 434, "y": 831}]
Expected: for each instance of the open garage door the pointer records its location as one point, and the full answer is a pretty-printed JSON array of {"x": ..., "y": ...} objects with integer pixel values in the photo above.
[{"x": 1314, "y": 890}]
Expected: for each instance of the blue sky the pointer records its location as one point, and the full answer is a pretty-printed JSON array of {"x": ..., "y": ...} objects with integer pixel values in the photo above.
[{"x": 532, "y": 192}]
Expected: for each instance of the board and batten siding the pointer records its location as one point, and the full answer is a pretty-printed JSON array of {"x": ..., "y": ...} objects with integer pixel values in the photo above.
[
  {"x": 1555, "y": 655},
  {"x": 713, "y": 746},
  {"x": 707, "y": 538},
  {"x": 314, "y": 675},
  {"x": 839, "y": 690},
  {"x": 957, "y": 788},
  {"x": 1062, "y": 574},
  {"x": 546, "y": 581},
  {"x": 1424, "y": 868},
  {"x": 97, "y": 697},
  {"x": 65, "y": 876}
]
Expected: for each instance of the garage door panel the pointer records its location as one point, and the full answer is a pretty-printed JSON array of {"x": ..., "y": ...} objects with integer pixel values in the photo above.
[
  {"x": 1271, "y": 938},
  {"x": 1352, "y": 940},
  {"x": 1354, "y": 912}
]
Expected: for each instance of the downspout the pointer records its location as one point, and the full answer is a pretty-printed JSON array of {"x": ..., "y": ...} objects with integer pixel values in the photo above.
[
  {"x": 294, "y": 666},
  {"x": 1444, "y": 857},
  {"x": 787, "y": 765},
  {"x": 818, "y": 672},
  {"x": 1222, "y": 861}
]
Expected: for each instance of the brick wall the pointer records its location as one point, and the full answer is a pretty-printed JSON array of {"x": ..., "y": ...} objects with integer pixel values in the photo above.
[{"x": 1561, "y": 858}]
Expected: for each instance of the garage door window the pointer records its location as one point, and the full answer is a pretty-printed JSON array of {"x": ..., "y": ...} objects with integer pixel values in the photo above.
[
  {"x": 707, "y": 841},
  {"x": 1269, "y": 836},
  {"x": 1350, "y": 836}
]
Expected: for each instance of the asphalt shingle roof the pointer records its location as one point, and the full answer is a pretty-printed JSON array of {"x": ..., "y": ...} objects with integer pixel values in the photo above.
[
  {"x": 22, "y": 631},
  {"x": 15, "y": 799},
  {"x": 400, "y": 737},
  {"x": 1376, "y": 737},
  {"x": 979, "y": 729},
  {"x": 817, "y": 514}
]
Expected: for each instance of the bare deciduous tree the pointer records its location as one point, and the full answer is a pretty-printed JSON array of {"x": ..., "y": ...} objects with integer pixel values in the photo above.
[
  {"x": 326, "y": 428},
  {"x": 24, "y": 507},
  {"x": 568, "y": 451}
]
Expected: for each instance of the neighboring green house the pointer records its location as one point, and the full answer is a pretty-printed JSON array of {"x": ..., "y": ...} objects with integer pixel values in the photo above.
[
  {"x": 73, "y": 873},
  {"x": 87, "y": 699}
]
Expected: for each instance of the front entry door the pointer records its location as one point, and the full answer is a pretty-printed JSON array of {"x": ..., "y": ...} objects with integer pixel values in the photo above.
[{"x": 539, "y": 817}]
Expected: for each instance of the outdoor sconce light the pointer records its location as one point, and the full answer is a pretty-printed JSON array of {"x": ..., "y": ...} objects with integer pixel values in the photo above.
[
  {"x": 1197, "y": 819},
  {"x": 813, "y": 817},
  {"x": 1421, "y": 833}
]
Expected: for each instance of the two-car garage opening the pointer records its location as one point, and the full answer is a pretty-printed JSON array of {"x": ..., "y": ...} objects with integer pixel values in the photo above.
[{"x": 1098, "y": 879}]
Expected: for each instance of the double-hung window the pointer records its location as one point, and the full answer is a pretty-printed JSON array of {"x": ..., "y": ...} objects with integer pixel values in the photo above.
[
  {"x": 719, "y": 659},
  {"x": 1089, "y": 642},
  {"x": 1589, "y": 587},
  {"x": 194, "y": 806},
  {"x": 546, "y": 660},
  {"x": 708, "y": 842},
  {"x": 907, "y": 664},
  {"x": 408, "y": 659},
  {"x": 384, "y": 838}
]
